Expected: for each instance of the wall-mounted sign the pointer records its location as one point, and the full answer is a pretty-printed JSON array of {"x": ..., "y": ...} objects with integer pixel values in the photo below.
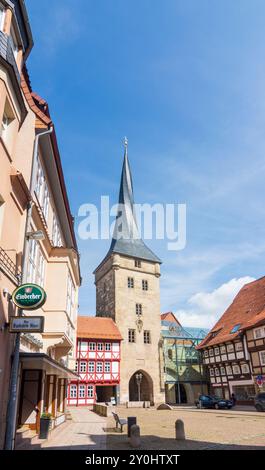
[
  {"x": 29, "y": 297},
  {"x": 26, "y": 325},
  {"x": 260, "y": 379}
]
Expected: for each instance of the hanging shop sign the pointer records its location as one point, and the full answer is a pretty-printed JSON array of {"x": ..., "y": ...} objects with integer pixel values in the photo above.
[
  {"x": 29, "y": 297},
  {"x": 26, "y": 325}
]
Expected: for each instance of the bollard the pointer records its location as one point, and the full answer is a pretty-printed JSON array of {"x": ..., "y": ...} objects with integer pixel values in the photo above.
[
  {"x": 131, "y": 422},
  {"x": 180, "y": 430},
  {"x": 135, "y": 439}
]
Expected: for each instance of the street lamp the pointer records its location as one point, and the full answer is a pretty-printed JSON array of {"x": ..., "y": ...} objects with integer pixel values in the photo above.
[{"x": 139, "y": 378}]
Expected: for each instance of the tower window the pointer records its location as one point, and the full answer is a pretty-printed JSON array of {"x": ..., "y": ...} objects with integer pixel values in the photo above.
[
  {"x": 145, "y": 285},
  {"x": 130, "y": 282},
  {"x": 139, "y": 309},
  {"x": 147, "y": 337},
  {"x": 138, "y": 263},
  {"x": 131, "y": 336}
]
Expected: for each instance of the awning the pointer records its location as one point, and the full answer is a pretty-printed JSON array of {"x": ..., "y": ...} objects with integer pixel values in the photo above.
[{"x": 38, "y": 361}]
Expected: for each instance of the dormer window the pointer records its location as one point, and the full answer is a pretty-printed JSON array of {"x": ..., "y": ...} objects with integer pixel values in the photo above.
[{"x": 2, "y": 17}]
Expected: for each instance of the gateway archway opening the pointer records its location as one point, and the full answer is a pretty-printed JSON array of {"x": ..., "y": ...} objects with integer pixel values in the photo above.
[{"x": 143, "y": 391}]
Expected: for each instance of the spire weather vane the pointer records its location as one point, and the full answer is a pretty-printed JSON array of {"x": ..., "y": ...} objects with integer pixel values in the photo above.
[{"x": 125, "y": 142}]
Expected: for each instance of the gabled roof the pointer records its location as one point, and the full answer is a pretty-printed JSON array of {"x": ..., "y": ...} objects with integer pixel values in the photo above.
[
  {"x": 170, "y": 317},
  {"x": 246, "y": 311},
  {"x": 97, "y": 328},
  {"x": 126, "y": 239}
]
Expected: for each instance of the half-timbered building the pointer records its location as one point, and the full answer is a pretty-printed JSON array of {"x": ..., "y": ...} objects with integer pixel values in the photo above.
[
  {"x": 234, "y": 350},
  {"x": 97, "y": 362}
]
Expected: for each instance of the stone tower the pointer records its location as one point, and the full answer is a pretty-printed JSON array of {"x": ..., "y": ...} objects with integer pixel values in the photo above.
[{"x": 128, "y": 290}]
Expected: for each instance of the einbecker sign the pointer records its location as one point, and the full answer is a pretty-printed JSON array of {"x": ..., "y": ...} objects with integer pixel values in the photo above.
[
  {"x": 29, "y": 297},
  {"x": 26, "y": 325}
]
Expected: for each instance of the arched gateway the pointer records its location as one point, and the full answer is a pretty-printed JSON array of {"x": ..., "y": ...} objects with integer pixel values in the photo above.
[{"x": 141, "y": 387}]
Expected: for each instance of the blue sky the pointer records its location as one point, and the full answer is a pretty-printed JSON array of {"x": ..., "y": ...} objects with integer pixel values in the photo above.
[{"x": 184, "y": 80}]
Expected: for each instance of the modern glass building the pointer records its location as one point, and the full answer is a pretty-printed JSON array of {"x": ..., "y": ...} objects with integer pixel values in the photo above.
[{"x": 185, "y": 375}]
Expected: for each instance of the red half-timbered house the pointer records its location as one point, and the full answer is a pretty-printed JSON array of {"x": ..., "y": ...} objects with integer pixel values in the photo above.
[{"x": 97, "y": 362}]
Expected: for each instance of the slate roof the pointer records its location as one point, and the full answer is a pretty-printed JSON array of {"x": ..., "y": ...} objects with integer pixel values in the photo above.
[
  {"x": 246, "y": 311},
  {"x": 126, "y": 239}
]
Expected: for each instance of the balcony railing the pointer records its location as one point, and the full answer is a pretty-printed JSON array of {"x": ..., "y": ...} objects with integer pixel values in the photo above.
[{"x": 7, "y": 265}]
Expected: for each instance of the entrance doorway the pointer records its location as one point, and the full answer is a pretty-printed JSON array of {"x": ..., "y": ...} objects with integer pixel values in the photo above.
[
  {"x": 181, "y": 395},
  {"x": 142, "y": 390},
  {"x": 105, "y": 393}
]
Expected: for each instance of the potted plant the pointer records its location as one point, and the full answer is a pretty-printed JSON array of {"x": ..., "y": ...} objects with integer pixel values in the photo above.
[{"x": 45, "y": 425}]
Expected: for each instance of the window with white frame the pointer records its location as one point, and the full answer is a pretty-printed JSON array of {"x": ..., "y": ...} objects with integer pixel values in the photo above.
[
  {"x": 5, "y": 126},
  {"x": 222, "y": 349},
  {"x": 211, "y": 372},
  {"x": 100, "y": 347},
  {"x": 211, "y": 352},
  {"x": 229, "y": 370},
  {"x": 42, "y": 191},
  {"x": 222, "y": 369},
  {"x": 206, "y": 353},
  {"x": 99, "y": 366},
  {"x": 90, "y": 391},
  {"x": 230, "y": 348},
  {"x": 245, "y": 369},
  {"x": 2, "y": 16},
  {"x": 70, "y": 299},
  {"x": 36, "y": 264},
  {"x": 107, "y": 367},
  {"x": 239, "y": 346},
  {"x": 262, "y": 357},
  {"x": 56, "y": 233},
  {"x": 82, "y": 367},
  {"x": 217, "y": 372},
  {"x": 91, "y": 367},
  {"x": 82, "y": 391},
  {"x": 236, "y": 369},
  {"x": 92, "y": 346},
  {"x": 216, "y": 351},
  {"x": 73, "y": 391},
  {"x": 76, "y": 366},
  {"x": 259, "y": 333},
  {"x": 108, "y": 347}
]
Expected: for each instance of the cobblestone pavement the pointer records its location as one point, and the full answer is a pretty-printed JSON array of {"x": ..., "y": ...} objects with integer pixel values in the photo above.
[
  {"x": 83, "y": 432},
  {"x": 205, "y": 429}
]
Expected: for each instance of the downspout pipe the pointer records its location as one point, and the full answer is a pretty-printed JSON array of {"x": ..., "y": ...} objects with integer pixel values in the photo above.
[{"x": 11, "y": 417}]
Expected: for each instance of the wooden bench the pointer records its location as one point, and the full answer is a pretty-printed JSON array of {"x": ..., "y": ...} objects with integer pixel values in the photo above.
[{"x": 119, "y": 421}]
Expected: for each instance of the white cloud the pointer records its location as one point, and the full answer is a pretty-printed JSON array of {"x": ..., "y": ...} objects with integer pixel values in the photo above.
[{"x": 206, "y": 307}]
